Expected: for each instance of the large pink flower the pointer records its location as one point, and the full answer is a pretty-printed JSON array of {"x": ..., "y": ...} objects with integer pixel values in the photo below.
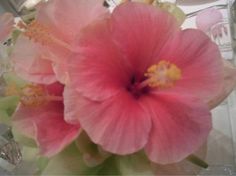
[
  {"x": 53, "y": 35},
  {"x": 141, "y": 82},
  {"x": 41, "y": 116},
  {"x": 6, "y": 24}
]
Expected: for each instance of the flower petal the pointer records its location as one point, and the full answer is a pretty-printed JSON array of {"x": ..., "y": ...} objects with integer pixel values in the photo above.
[
  {"x": 61, "y": 72},
  {"x": 200, "y": 61},
  {"x": 99, "y": 71},
  {"x": 119, "y": 124},
  {"x": 181, "y": 124},
  {"x": 31, "y": 63},
  {"x": 228, "y": 85},
  {"x": 68, "y": 17},
  {"x": 45, "y": 125},
  {"x": 139, "y": 30},
  {"x": 71, "y": 111}
]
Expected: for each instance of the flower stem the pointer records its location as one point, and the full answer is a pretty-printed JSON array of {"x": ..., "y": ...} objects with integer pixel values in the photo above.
[{"x": 195, "y": 160}]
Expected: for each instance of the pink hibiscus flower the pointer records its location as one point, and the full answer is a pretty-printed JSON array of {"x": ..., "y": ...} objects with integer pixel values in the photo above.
[
  {"x": 6, "y": 24},
  {"x": 140, "y": 82},
  {"x": 41, "y": 116},
  {"x": 49, "y": 40}
]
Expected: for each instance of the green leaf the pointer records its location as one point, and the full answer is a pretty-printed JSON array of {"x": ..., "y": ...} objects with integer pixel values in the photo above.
[
  {"x": 93, "y": 155},
  {"x": 135, "y": 164},
  {"x": 3, "y": 114},
  {"x": 4, "y": 117},
  {"x": 22, "y": 139},
  {"x": 7, "y": 108},
  {"x": 70, "y": 162},
  {"x": 15, "y": 34},
  {"x": 9, "y": 102},
  {"x": 12, "y": 79},
  {"x": 42, "y": 163},
  {"x": 108, "y": 167},
  {"x": 32, "y": 163},
  {"x": 174, "y": 10}
]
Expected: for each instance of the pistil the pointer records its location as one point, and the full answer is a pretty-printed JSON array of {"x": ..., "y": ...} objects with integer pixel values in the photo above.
[{"x": 40, "y": 33}]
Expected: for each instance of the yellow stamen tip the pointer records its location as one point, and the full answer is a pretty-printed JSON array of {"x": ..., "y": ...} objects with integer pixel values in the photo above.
[
  {"x": 38, "y": 33},
  {"x": 163, "y": 75},
  {"x": 33, "y": 95}
]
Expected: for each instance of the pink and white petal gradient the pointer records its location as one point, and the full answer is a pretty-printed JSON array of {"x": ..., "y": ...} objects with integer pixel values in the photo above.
[
  {"x": 46, "y": 125},
  {"x": 71, "y": 111},
  {"x": 107, "y": 73},
  {"x": 31, "y": 62},
  {"x": 138, "y": 30},
  {"x": 120, "y": 125},
  {"x": 64, "y": 20},
  {"x": 68, "y": 17},
  {"x": 116, "y": 48},
  {"x": 180, "y": 125},
  {"x": 200, "y": 62},
  {"x": 98, "y": 56},
  {"x": 6, "y": 24},
  {"x": 229, "y": 85}
]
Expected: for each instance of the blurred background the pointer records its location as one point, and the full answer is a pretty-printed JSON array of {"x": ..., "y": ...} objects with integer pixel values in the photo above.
[{"x": 17, "y": 7}]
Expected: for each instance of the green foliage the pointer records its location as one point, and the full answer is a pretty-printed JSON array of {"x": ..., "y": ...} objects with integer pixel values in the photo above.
[
  {"x": 7, "y": 107},
  {"x": 174, "y": 10}
]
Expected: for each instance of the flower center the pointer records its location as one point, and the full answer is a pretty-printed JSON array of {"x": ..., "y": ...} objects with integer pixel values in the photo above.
[
  {"x": 162, "y": 75},
  {"x": 41, "y": 34}
]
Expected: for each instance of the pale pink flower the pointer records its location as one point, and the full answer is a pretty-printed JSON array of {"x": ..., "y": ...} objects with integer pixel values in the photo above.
[
  {"x": 140, "y": 82},
  {"x": 6, "y": 24},
  {"x": 41, "y": 116},
  {"x": 53, "y": 34},
  {"x": 208, "y": 18}
]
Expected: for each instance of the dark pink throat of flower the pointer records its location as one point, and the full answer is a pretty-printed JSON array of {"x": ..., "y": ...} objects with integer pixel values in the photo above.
[{"x": 158, "y": 76}]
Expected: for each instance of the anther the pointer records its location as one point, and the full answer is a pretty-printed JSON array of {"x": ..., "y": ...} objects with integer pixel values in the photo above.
[{"x": 162, "y": 75}]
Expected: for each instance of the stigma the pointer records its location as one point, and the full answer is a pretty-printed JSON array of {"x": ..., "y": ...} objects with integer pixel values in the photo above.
[{"x": 163, "y": 75}]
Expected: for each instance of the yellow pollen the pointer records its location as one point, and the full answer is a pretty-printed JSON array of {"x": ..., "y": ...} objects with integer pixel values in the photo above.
[
  {"x": 36, "y": 95},
  {"x": 163, "y": 75},
  {"x": 40, "y": 33}
]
